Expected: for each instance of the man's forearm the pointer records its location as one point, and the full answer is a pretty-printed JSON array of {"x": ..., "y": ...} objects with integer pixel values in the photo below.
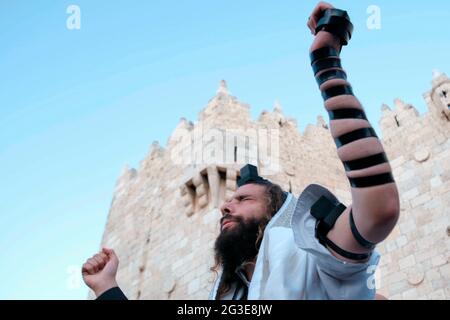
[{"x": 374, "y": 193}]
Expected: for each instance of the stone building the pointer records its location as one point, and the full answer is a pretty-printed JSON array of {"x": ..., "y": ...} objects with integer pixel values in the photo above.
[{"x": 164, "y": 216}]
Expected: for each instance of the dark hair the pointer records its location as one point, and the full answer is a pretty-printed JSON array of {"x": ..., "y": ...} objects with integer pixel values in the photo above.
[{"x": 275, "y": 198}]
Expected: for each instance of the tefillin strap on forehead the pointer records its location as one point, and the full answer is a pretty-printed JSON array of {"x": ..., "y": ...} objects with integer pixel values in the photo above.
[{"x": 249, "y": 174}]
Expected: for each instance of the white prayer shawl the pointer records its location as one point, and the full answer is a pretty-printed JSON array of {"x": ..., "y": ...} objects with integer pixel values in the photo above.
[{"x": 293, "y": 265}]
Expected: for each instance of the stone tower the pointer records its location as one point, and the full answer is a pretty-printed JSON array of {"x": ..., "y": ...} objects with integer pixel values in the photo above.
[
  {"x": 164, "y": 216},
  {"x": 415, "y": 257}
]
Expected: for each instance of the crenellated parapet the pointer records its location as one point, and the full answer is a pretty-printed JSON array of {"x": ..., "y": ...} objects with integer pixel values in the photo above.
[
  {"x": 438, "y": 98},
  {"x": 224, "y": 110},
  {"x": 401, "y": 116},
  {"x": 165, "y": 216},
  {"x": 276, "y": 118}
]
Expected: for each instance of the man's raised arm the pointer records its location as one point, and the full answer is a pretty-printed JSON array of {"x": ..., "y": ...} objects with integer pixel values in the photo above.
[{"x": 375, "y": 200}]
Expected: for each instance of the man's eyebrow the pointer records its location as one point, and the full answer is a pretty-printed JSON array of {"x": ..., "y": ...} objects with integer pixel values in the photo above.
[{"x": 243, "y": 195}]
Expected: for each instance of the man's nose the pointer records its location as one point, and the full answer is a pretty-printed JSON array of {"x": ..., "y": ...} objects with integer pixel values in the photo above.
[{"x": 226, "y": 208}]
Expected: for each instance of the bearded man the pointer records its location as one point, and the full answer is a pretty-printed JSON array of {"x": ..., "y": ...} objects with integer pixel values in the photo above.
[{"x": 273, "y": 245}]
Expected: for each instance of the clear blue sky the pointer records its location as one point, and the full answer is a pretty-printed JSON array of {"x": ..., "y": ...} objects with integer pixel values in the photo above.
[{"x": 77, "y": 105}]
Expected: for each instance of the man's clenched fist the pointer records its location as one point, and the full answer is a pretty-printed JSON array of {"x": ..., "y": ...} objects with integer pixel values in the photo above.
[
  {"x": 322, "y": 39},
  {"x": 99, "y": 271}
]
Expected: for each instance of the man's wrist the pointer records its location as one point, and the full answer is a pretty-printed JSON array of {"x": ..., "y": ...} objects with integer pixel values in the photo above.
[
  {"x": 104, "y": 287},
  {"x": 324, "y": 38}
]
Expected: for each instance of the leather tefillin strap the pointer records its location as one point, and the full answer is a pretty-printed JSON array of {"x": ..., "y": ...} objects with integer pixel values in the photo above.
[
  {"x": 337, "y": 91},
  {"x": 326, "y": 66},
  {"x": 326, "y": 63},
  {"x": 358, "y": 237},
  {"x": 347, "y": 114},
  {"x": 323, "y": 59},
  {"x": 326, "y": 213},
  {"x": 366, "y": 162},
  {"x": 355, "y": 135},
  {"x": 372, "y": 181},
  {"x": 323, "y": 53},
  {"x": 338, "y": 23},
  {"x": 330, "y": 75}
]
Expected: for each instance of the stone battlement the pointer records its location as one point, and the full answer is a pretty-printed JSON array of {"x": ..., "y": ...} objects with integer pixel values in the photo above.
[{"x": 164, "y": 216}]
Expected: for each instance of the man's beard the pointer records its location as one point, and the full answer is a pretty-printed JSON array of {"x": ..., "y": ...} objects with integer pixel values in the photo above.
[{"x": 237, "y": 245}]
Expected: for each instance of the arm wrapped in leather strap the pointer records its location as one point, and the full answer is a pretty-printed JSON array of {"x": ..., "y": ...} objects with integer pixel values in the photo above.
[
  {"x": 326, "y": 213},
  {"x": 327, "y": 66},
  {"x": 365, "y": 167}
]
